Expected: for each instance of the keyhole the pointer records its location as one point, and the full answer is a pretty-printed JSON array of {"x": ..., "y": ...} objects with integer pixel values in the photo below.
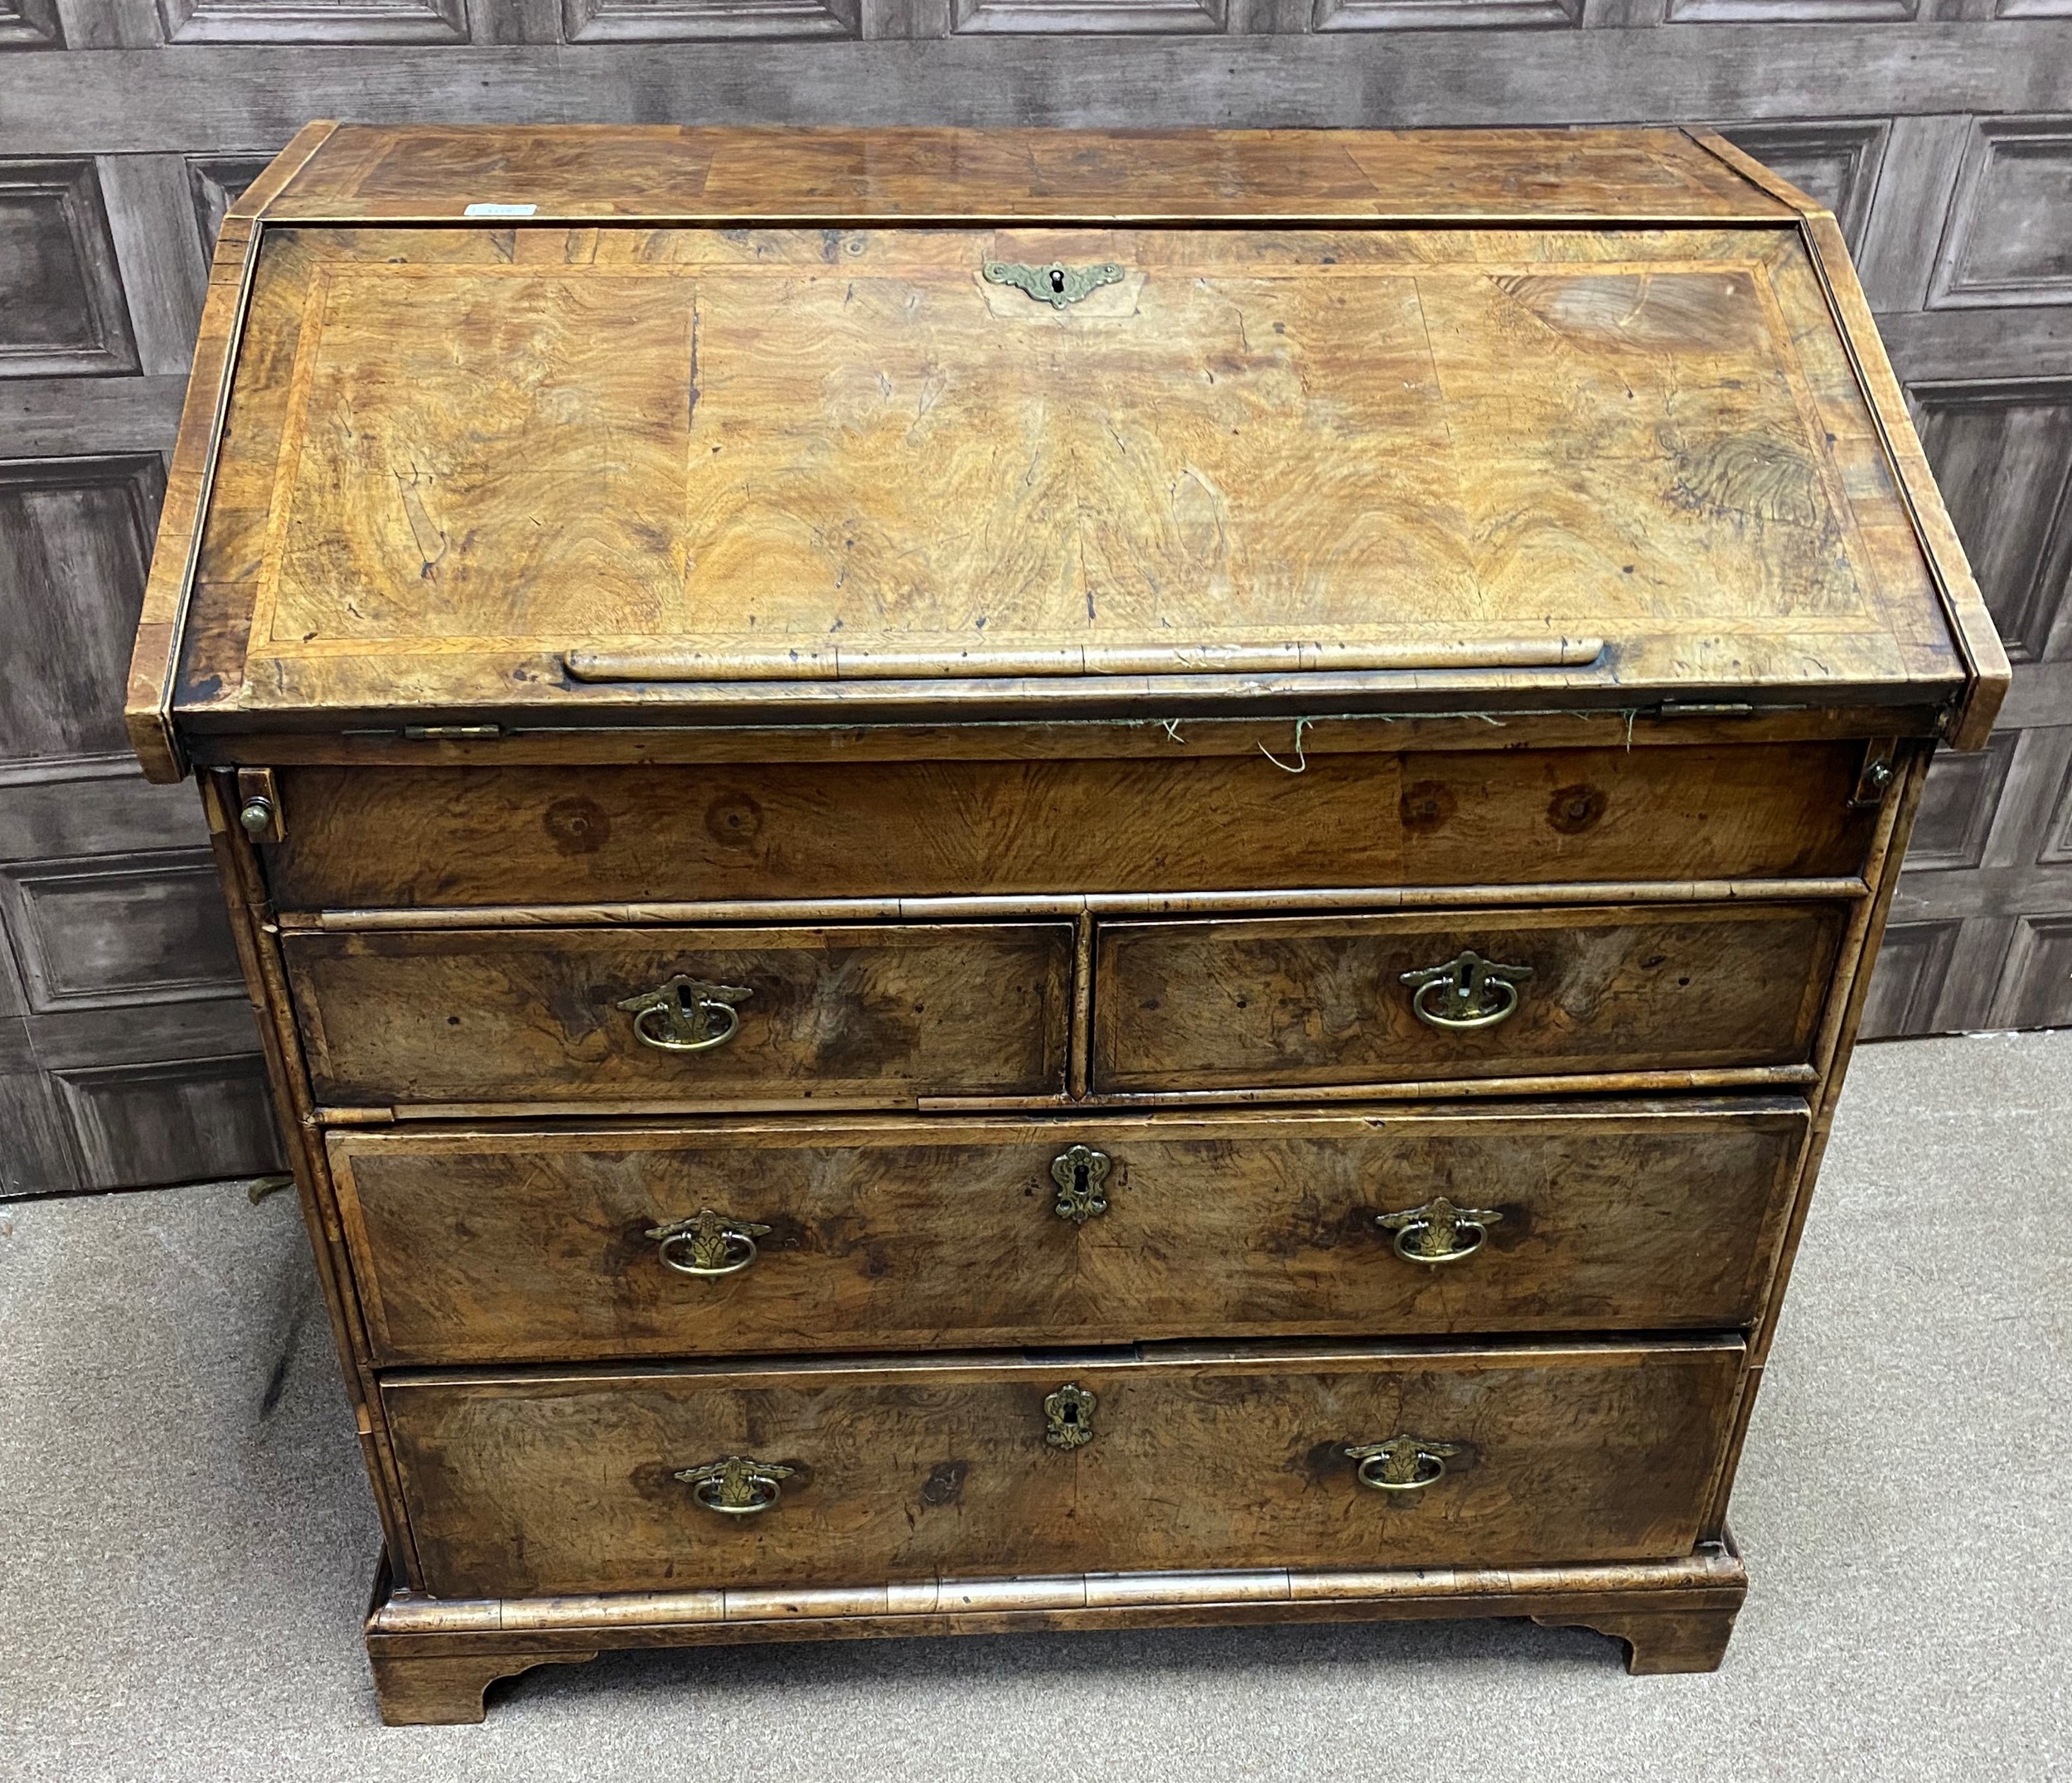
[
  {"x": 1057, "y": 278},
  {"x": 1071, "y": 1415},
  {"x": 1081, "y": 1177}
]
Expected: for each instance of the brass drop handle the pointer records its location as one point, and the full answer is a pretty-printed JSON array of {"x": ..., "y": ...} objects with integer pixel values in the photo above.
[
  {"x": 1402, "y": 1464},
  {"x": 1439, "y": 1232},
  {"x": 1466, "y": 992},
  {"x": 708, "y": 1244},
  {"x": 736, "y": 1486},
  {"x": 686, "y": 1014}
]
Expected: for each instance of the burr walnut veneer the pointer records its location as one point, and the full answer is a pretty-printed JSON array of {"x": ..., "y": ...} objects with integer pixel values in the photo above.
[{"x": 1036, "y": 880}]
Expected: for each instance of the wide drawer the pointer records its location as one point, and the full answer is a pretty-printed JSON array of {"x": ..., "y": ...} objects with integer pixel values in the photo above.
[
  {"x": 1286, "y": 1002},
  {"x": 365, "y": 837},
  {"x": 743, "y": 1237},
  {"x": 762, "y": 1017},
  {"x": 1226, "y": 1457}
]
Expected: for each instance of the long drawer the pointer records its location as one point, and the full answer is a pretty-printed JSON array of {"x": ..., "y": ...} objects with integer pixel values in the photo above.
[
  {"x": 804, "y": 1474},
  {"x": 1292, "y": 1002},
  {"x": 745, "y": 1237},
  {"x": 365, "y": 836},
  {"x": 685, "y": 1018}
]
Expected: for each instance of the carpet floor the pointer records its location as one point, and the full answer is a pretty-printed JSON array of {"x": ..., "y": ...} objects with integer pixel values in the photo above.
[{"x": 186, "y": 1538}]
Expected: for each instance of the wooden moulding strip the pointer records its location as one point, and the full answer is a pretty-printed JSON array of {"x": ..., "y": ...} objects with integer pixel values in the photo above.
[
  {"x": 978, "y": 908},
  {"x": 281, "y": 172},
  {"x": 610, "y": 1107},
  {"x": 1971, "y": 628},
  {"x": 333, "y": 214},
  {"x": 1973, "y": 631},
  {"x": 480, "y": 690},
  {"x": 1097, "y": 1100},
  {"x": 1621, "y": 1083},
  {"x": 155, "y": 661},
  {"x": 1715, "y": 1567},
  {"x": 1080, "y": 1053},
  {"x": 571, "y": 744},
  {"x": 844, "y": 662},
  {"x": 359, "y": 1116},
  {"x": 154, "y": 666},
  {"x": 1764, "y": 179}
]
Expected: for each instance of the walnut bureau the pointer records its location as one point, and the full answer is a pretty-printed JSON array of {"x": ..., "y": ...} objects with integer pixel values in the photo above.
[{"x": 1006, "y": 880}]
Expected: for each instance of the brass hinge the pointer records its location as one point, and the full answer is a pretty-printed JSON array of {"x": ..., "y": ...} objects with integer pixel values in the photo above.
[
  {"x": 1705, "y": 709},
  {"x": 1722, "y": 709},
  {"x": 1874, "y": 779},
  {"x": 259, "y": 805},
  {"x": 451, "y": 732}
]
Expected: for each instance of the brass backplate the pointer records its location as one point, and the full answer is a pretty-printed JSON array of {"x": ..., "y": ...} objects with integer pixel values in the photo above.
[
  {"x": 1056, "y": 284},
  {"x": 1068, "y": 1413}
]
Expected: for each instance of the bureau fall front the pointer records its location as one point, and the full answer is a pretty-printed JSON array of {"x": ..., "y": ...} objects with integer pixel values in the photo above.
[{"x": 1034, "y": 880}]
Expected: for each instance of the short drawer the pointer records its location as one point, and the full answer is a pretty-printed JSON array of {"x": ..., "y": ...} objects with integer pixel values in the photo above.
[
  {"x": 1181, "y": 823},
  {"x": 682, "y": 1018},
  {"x": 1289, "y": 1002},
  {"x": 744, "y": 1236},
  {"x": 965, "y": 1465}
]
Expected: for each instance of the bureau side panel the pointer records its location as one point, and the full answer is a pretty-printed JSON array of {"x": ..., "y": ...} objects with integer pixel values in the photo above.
[
  {"x": 1850, "y": 987},
  {"x": 258, "y": 953}
]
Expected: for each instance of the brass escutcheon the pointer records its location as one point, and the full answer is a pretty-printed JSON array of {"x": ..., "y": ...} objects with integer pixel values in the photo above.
[
  {"x": 708, "y": 1244},
  {"x": 1439, "y": 1232},
  {"x": 1402, "y": 1464},
  {"x": 686, "y": 1014},
  {"x": 1069, "y": 1413},
  {"x": 734, "y": 1486},
  {"x": 1056, "y": 284},
  {"x": 1080, "y": 1173},
  {"x": 1466, "y": 992}
]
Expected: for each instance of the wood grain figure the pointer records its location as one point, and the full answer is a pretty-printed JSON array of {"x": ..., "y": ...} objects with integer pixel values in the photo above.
[
  {"x": 447, "y": 837},
  {"x": 1033, "y": 880},
  {"x": 1301, "y": 1000},
  {"x": 540, "y": 1245},
  {"x": 830, "y": 1014},
  {"x": 1200, "y": 1456}
]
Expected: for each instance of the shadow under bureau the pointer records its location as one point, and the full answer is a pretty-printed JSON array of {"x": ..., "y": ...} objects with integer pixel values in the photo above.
[{"x": 1031, "y": 880}]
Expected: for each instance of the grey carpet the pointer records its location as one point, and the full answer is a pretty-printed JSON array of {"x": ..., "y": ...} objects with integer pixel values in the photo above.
[{"x": 186, "y": 1537}]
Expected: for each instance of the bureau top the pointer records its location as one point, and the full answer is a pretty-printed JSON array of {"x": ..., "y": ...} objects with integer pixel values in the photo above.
[
  {"x": 610, "y": 427},
  {"x": 359, "y": 173}
]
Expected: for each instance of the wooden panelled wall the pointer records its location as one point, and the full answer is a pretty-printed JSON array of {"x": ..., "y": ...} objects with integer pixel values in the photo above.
[{"x": 1940, "y": 131}]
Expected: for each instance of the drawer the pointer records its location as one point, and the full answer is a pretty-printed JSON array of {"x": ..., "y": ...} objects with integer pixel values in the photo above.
[
  {"x": 541, "y": 1017},
  {"x": 969, "y": 1464},
  {"x": 1286, "y": 1002},
  {"x": 368, "y": 836},
  {"x": 542, "y": 1245}
]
